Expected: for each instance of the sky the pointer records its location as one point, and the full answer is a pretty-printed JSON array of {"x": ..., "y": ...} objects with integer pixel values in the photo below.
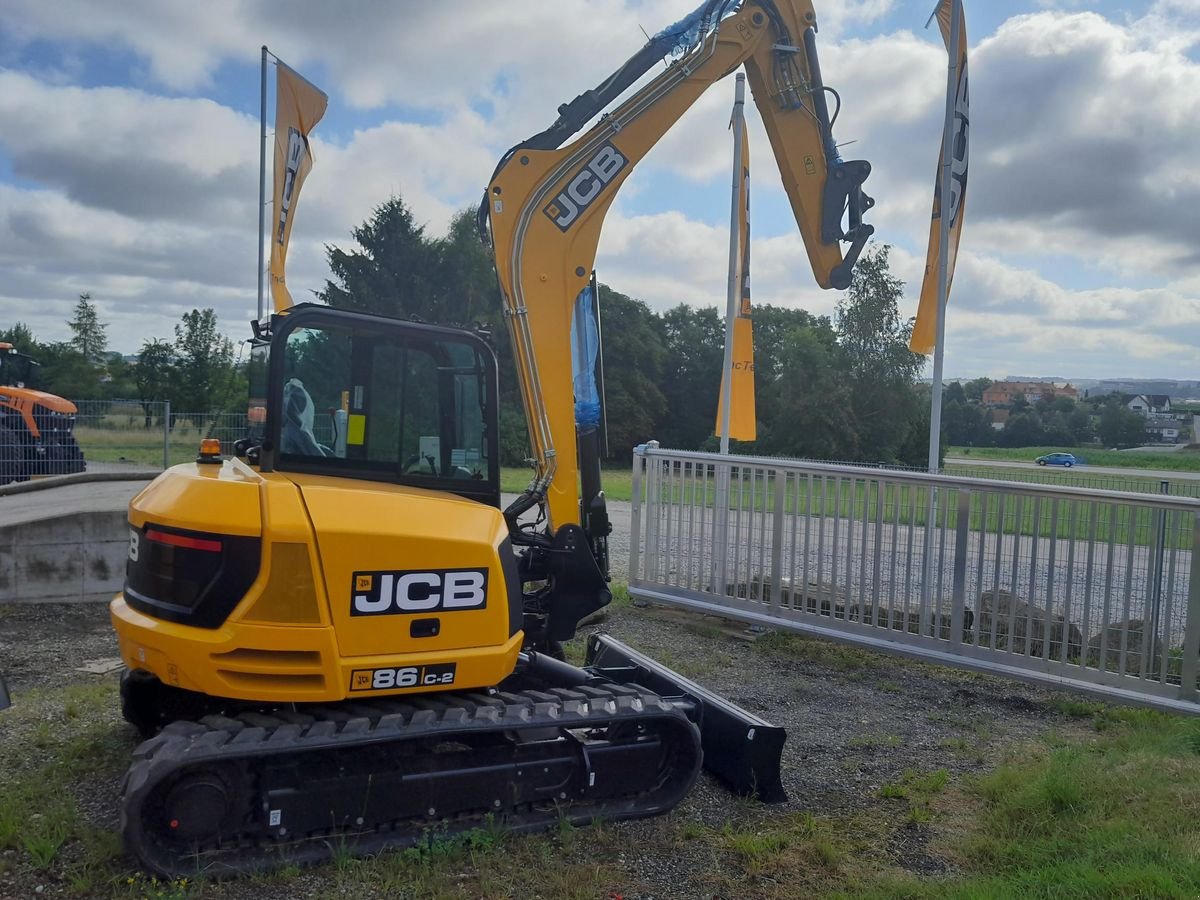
[{"x": 129, "y": 159}]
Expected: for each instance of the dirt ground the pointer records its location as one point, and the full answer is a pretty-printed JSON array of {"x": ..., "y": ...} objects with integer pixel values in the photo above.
[{"x": 865, "y": 731}]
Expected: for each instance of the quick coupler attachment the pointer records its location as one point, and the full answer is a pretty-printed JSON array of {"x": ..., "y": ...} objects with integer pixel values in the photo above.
[{"x": 739, "y": 748}]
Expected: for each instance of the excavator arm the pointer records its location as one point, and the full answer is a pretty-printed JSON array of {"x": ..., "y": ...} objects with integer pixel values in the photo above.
[{"x": 548, "y": 198}]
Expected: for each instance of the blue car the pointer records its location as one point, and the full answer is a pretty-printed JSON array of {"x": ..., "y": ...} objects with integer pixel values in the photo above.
[{"x": 1057, "y": 459}]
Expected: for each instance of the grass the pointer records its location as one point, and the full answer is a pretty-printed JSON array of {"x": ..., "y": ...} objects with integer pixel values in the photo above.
[
  {"x": 861, "y": 499},
  {"x": 1104, "y": 805},
  {"x": 798, "y": 648},
  {"x": 1110, "y": 817},
  {"x": 1177, "y": 460}
]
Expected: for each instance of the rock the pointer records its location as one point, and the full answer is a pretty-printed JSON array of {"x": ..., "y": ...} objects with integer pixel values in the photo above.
[
  {"x": 1029, "y": 627},
  {"x": 1110, "y": 640}
]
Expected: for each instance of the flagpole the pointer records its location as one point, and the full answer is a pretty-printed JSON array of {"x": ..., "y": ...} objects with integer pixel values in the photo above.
[
  {"x": 262, "y": 179},
  {"x": 735, "y": 258},
  {"x": 935, "y": 408},
  {"x": 935, "y": 400},
  {"x": 721, "y": 506}
]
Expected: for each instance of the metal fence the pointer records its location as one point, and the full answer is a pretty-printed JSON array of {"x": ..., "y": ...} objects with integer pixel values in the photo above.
[
  {"x": 1179, "y": 485},
  {"x": 1087, "y": 589},
  {"x": 129, "y": 433}
]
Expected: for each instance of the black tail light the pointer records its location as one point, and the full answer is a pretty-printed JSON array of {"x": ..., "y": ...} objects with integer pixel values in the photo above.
[{"x": 190, "y": 577}]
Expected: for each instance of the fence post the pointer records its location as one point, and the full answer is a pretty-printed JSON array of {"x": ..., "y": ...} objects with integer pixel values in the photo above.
[
  {"x": 962, "y": 538},
  {"x": 1191, "y": 628},
  {"x": 635, "y": 518},
  {"x": 1160, "y": 547},
  {"x": 652, "y": 511},
  {"x": 166, "y": 434},
  {"x": 777, "y": 541}
]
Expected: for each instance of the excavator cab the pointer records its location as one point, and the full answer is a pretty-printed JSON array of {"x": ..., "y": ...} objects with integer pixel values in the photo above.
[{"x": 378, "y": 400}]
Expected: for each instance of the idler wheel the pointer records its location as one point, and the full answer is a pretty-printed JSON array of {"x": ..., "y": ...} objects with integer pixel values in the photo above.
[{"x": 197, "y": 806}]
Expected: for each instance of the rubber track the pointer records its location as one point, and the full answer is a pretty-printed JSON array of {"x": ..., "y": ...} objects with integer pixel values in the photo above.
[{"x": 259, "y": 736}]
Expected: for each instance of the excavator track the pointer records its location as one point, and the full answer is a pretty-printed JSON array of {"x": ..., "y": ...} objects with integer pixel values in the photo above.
[{"x": 228, "y": 796}]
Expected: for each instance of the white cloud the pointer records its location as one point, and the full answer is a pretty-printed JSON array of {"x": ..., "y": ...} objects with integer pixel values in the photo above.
[{"x": 1084, "y": 168}]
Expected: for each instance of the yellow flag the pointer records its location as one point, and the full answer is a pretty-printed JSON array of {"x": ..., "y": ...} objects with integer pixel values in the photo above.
[
  {"x": 298, "y": 108},
  {"x": 741, "y": 405},
  {"x": 924, "y": 335}
]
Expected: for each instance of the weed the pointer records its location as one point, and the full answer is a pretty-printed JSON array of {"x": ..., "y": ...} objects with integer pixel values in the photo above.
[
  {"x": 42, "y": 841},
  {"x": 705, "y": 630},
  {"x": 620, "y": 597},
  {"x": 781, "y": 645},
  {"x": 919, "y": 814},
  {"x": 1078, "y": 709}
]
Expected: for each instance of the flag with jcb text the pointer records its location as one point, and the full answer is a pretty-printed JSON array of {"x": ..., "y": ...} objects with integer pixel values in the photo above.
[
  {"x": 924, "y": 335},
  {"x": 741, "y": 404},
  {"x": 299, "y": 106}
]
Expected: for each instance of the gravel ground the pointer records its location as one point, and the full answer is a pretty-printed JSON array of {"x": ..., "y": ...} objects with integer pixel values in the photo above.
[{"x": 856, "y": 721}]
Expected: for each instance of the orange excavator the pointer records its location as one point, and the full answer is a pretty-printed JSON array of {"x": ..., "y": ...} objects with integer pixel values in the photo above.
[
  {"x": 36, "y": 428},
  {"x": 341, "y": 637}
]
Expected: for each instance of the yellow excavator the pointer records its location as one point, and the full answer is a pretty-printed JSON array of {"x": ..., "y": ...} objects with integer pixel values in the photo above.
[{"x": 340, "y": 637}]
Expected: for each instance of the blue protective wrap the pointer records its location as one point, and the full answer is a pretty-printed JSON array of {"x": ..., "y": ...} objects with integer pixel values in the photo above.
[
  {"x": 585, "y": 345},
  {"x": 675, "y": 39}
]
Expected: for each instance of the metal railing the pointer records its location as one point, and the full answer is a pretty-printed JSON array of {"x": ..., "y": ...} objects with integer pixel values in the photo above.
[
  {"x": 1086, "y": 589},
  {"x": 130, "y": 433}
]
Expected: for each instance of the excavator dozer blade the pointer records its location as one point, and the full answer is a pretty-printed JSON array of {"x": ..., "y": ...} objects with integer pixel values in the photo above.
[{"x": 740, "y": 749}]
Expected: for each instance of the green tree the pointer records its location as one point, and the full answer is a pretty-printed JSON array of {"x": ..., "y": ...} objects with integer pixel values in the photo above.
[
  {"x": 1121, "y": 426},
  {"x": 89, "y": 336},
  {"x": 21, "y": 337},
  {"x": 66, "y": 372},
  {"x": 394, "y": 273},
  {"x": 694, "y": 352},
  {"x": 634, "y": 358},
  {"x": 203, "y": 363},
  {"x": 154, "y": 374},
  {"x": 873, "y": 345},
  {"x": 975, "y": 387},
  {"x": 815, "y": 417}
]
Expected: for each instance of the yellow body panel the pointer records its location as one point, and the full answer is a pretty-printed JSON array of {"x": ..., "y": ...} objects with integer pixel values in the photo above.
[
  {"x": 202, "y": 497},
  {"x": 543, "y": 265},
  {"x": 267, "y": 649}
]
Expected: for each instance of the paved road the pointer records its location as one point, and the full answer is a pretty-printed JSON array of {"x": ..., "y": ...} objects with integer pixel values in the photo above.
[{"x": 1116, "y": 471}]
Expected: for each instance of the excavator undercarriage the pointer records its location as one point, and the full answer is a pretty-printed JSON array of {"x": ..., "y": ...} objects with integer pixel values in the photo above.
[{"x": 241, "y": 790}]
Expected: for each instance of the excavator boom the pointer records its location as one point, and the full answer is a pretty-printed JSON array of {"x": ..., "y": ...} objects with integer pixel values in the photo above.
[{"x": 547, "y": 199}]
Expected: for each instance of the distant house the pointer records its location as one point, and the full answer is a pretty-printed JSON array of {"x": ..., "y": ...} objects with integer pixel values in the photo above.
[
  {"x": 999, "y": 419},
  {"x": 1149, "y": 404},
  {"x": 1004, "y": 393},
  {"x": 1164, "y": 431}
]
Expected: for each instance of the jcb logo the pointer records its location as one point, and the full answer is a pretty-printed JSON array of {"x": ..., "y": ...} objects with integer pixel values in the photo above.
[
  {"x": 389, "y": 593},
  {"x": 585, "y": 186}
]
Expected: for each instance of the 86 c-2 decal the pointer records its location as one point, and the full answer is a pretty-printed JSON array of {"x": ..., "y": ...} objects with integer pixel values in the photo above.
[{"x": 387, "y": 679}]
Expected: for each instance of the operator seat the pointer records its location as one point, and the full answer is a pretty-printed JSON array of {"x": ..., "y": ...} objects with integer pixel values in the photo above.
[{"x": 298, "y": 412}]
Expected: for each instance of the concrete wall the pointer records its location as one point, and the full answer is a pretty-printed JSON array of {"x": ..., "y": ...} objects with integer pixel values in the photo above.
[
  {"x": 78, "y": 556},
  {"x": 64, "y": 544}
]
